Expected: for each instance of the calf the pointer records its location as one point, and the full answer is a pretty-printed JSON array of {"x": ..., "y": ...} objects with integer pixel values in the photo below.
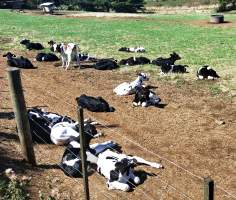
[
  {"x": 31, "y": 45},
  {"x": 106, "y": 64},
  {"x": 129, "y": 88},
  {"x": 207, "y": 72},
  {"x": 173, "y": 69},
  {"x": 54, "y": 47},
  {"x": 71, "y": 161},
  {"x": 69, "y": 52},
  {"x": 132, "y": 49},
  {"x": 19, "y": 62},
  {"x": 119, "y": 169},
  {"x": 145, "y": 97},
  {"x": 46, "y": 57},
  {"x": 135, "y": 61},
  {"x": 94, "y": 104},
  {"x": 167, "y": 61}
]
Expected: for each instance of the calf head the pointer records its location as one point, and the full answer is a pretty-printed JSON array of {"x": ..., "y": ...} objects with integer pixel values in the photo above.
[
  {"x": 175, "y": 56},
  {"x": 143, "y": 76},
  {"x": 25, "y": 41},
  {"x": 9, "y": 55}
]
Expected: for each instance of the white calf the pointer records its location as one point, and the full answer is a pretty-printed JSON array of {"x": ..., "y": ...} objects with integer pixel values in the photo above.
[{"x": 129, "y": 88}]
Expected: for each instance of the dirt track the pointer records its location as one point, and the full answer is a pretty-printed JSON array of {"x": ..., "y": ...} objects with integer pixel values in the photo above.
[{"x": 184, "y": 131}]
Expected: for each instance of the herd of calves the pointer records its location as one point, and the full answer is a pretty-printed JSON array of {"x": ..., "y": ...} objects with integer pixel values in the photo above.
[{"x": 70, "y": 52}]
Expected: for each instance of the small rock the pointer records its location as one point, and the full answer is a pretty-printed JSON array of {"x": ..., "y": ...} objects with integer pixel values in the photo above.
[{"x": 219, "y": 122}]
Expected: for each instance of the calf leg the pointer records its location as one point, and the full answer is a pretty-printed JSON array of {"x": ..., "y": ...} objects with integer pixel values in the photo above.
[
  {"x": 116, "y": 185},
  {"x": 139, "y": 160}
]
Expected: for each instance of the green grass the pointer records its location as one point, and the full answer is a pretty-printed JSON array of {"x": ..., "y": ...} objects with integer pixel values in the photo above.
[{"x": 159, "y": 34}]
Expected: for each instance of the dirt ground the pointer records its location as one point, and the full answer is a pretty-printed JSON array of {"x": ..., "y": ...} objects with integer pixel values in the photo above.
[{"x": 183, "y": 135}]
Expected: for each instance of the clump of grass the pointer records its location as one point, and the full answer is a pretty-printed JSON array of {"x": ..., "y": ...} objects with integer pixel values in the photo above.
[
  {"x": 180, "y": 82},
  {"x": 215, "y": 90},
  {"x": 13, "y": 187}
]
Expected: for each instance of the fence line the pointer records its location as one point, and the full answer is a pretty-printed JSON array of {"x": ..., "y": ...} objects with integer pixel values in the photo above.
[
  {"x": 137, "y": 144},
  {"x": 78, "y": 157}
]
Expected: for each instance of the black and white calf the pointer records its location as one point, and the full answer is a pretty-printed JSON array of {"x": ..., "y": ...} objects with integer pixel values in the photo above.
[
  {"x": 135, "y": 61},
  {"x": 69, "y": 52},
  {"x": 46, "y": 57},
  {"x": 32, "y": 45},
  {"x": 119, "y": 169},
  {"x": 173, "y": 69},
  {"x": 20, "y": 62},
  {"x": 54, "y": 47},
  {"x": 94, "y": 104},
  {"x": 207, "y": 72},
  {"x": 132, "y": 49},
  {"x": 129, "y": 88},
  {"x": 71, "y": 160},
  {"x": 48, "y": 127},
  {"x": 166, "y": 61},
  {"x": 145, "y": 97}
]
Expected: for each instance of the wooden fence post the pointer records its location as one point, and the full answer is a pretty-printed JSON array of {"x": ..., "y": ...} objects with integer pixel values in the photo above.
[
  {"x": 21, "y": 116},
  {"x": 83, "y": 152},
  {"x": 208, "y": 189}
]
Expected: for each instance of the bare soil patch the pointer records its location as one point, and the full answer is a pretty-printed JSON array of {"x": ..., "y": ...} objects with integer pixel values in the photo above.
[{"x": 184, "y": 131}]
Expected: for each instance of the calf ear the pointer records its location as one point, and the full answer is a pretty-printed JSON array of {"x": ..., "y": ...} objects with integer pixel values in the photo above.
[{"x": 5, "y": 55}]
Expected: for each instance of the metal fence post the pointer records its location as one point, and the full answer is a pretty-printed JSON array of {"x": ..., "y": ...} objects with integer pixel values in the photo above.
[
  {"x": 21, "y": 116},
  {"x": 83, "y": 152},
  {"x": 208, "y": 189}
]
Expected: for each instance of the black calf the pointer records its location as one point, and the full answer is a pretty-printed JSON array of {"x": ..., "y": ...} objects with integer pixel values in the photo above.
[
  {"x": 94, "y": 104},
  {"x": 19, "y": 62},
  {"x": 106, "y": 64},
  {"x": 166, "y": 61},
  {"x": 31, "y": 45},
  {"x": 47, "y": 57},
  {"x": 135, "y": 61}
]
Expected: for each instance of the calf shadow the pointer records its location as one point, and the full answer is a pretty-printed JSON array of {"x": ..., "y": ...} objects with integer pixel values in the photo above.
[
  {"x": 143, "y": 175},
  {"x": 161, "y": 105}
]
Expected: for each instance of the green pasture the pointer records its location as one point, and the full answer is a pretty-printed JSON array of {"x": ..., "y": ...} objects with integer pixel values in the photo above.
[{"x": 198, "y": 42}]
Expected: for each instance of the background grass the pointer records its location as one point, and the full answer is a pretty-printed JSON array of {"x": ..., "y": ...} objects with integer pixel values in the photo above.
[
  {"x": 173, "y": 3},
  {"x": 159, "y": 34}
]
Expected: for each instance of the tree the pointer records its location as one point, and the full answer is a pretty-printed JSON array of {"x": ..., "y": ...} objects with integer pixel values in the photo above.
[
  {"x": 127, "y": 5},
  {"x": 226, "y": 5}
]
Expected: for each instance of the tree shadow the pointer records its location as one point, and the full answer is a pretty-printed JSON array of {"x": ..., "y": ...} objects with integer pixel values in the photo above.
[{"x": 8, "y": 136}]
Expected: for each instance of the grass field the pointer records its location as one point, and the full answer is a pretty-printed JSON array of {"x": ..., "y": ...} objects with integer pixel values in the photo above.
[{"x": 198, "y": 42}]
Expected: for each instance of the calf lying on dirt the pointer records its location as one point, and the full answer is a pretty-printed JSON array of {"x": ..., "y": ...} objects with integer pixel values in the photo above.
[
  {"x": 117, "y": 168},
  {"x": 106, "y": 64},
  {"x": 207, "y": 72},
  {"x": 94, "y": 104},
  {"x": 129, "y": 88},
  {"x": 48, "y": 127},
  {"x": 145, "y": 97},
  {"x": 20, "y": 62},
  {"x": 46, "y": 57}
]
